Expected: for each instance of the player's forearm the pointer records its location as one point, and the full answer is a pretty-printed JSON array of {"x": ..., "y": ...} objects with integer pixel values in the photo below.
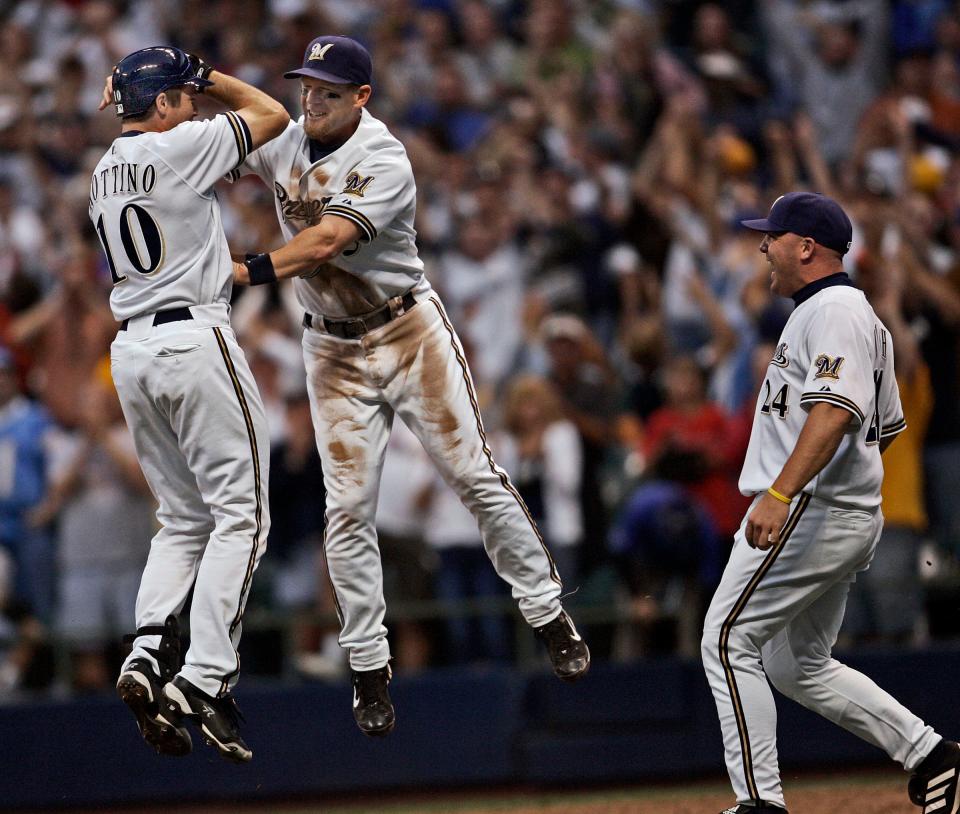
[
  {"x": 818, "y": 443},
  {"x": 237, "y": 94},
  {"x": 306, "y": 255},
  {"x": 306, "y": 252},
  {"x": 280, "y": 264},
  {"x": 265, "y": 116}
]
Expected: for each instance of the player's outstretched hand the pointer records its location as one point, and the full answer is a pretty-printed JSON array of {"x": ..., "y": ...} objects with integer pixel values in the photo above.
[{"x": 765, "y": 522}]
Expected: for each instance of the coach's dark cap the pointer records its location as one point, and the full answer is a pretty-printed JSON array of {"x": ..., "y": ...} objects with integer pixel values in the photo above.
[
  {"x": 339, "y": 60},
  {"x": 808, "y": 214}
]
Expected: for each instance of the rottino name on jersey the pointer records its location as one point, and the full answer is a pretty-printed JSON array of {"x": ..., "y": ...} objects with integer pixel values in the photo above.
[{"x": 123, "y": 178}]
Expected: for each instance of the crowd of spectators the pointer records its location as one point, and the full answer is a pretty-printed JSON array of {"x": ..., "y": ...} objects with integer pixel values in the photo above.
[{"x": 582, "y": 167}]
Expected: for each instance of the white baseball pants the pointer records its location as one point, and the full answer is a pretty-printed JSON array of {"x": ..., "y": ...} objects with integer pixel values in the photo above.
[
  {"x": 200, "y": 433},
  {"x": 776, "y": 615},
  {"x": 415, "y": 367}
]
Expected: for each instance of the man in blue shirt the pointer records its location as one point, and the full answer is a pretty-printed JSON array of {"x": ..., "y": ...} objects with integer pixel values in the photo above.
[{"x": 24, "y": 430}]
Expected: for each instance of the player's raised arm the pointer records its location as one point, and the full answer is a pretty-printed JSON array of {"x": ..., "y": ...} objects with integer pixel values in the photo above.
[{"x": 264, "y": 115}]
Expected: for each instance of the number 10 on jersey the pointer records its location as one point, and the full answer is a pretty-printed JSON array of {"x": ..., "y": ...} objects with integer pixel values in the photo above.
[{"x": 142, "y": 242}]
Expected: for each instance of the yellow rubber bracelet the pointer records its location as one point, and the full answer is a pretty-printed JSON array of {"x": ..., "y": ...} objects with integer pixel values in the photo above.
[{"x": 782, "y": 498}]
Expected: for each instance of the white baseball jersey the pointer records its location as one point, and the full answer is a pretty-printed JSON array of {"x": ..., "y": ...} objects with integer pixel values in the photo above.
[
  {"x": 832, "y": 349},
  {"x": 367, "y": 180},
  {"x": 158, "y": 218}
]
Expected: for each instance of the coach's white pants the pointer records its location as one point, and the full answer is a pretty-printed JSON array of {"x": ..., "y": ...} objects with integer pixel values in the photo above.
[
  {"x": 776, "y": 615},
  {"x": 201, "y": 436},
  {"x": 413, "y": 366}
]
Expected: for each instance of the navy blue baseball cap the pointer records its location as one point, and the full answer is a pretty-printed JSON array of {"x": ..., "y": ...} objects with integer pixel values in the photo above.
[
  {"x": 339, "y": 60},
  {"x": 808, "y": 214}
]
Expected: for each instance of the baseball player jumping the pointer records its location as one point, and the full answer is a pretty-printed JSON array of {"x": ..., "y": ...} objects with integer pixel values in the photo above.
[
  {"x": 378, "y": 342},
  {"x": 828, "y": 408},
  {"x": 187, "y": 394}
]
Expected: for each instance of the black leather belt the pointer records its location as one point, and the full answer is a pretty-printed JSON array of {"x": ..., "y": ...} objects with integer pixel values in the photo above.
[
  {"x": 356, "y": 327},
  {"x": 162, "y": 317}
]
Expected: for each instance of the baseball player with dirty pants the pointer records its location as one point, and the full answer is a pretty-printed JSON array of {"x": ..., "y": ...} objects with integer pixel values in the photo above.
[
  {"x": 377, "y": 342},
  {"x": 189, "y": 398},
  {"x": 827, "y": 410}
]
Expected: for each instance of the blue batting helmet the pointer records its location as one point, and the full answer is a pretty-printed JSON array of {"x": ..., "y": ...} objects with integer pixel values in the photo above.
[{"x": 140, "y": 77}]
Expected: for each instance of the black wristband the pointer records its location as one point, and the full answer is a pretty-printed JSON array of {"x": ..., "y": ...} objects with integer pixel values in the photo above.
[{"x": 260, "y": 267}]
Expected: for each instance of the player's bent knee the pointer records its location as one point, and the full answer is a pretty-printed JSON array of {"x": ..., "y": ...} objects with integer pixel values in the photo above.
[
  {"x": 732, "y": 647},
  {"x": 783, "y": 672},
  {"x": 710, "y": 646}
]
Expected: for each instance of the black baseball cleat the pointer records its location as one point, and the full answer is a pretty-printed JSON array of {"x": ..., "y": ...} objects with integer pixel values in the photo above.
[
  {"x": 760, "y": 807},
  {"x": 933, "y": 785},
  {"x": 217, "y": 718},
  {"x": 569, "y": 654},
  {"x": 139, "y": 687},
  {"x": 372, "y": 708}
]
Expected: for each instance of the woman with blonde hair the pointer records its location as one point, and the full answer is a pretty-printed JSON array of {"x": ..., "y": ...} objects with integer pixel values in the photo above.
[{"x": 543, "y": 452}]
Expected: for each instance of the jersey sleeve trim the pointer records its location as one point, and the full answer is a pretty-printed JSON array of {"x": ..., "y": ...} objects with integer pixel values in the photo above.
[
  {"x": 835, "y": 399},
  {"x": 241, "y": 132},
  {"x": 893, "y": 429},
  {"x": 368, "y": 229}
]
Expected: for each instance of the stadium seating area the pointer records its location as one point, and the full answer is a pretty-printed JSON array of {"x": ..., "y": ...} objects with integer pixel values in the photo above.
[{"x": 582, "y": 168}]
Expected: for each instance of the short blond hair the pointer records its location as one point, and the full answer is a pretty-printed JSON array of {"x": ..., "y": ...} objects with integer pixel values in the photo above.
[{"x": 531, "y": 388}]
